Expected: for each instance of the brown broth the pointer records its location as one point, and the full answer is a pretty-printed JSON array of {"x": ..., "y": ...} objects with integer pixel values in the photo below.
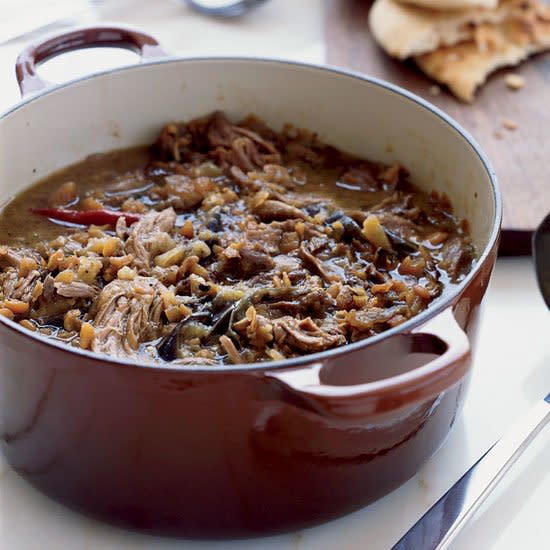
[{"x": 94, "y": 173}]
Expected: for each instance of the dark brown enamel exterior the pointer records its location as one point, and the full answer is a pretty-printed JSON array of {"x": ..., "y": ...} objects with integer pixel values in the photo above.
[{"x": 221, "y": 453}]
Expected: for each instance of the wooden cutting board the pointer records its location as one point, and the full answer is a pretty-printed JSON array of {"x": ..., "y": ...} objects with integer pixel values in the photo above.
[{"x": 520, "y": 157}]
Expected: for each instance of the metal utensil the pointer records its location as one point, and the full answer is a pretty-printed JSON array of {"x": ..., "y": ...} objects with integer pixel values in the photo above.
[
  {"x": 439, "y": 526},
  {"x": 230, "y": 8}
]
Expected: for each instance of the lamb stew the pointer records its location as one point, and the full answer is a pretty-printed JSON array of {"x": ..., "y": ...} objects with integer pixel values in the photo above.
[{"x": 225, "y": 243}]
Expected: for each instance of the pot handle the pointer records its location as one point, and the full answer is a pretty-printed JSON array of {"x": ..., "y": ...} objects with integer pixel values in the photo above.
[
  {"x": 88, "y": 37},
  {"x": 441, "y": 335}
]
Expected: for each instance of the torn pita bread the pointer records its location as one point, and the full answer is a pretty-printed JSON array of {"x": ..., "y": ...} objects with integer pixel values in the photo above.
[
  {"x": 464, "y": 67},
  {"x": 405, "y": 30},
  {"x": 445, "y": 5}
]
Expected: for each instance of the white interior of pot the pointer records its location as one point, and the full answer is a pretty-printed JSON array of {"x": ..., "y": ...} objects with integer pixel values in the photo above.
[{"x": 129, "y": 107}]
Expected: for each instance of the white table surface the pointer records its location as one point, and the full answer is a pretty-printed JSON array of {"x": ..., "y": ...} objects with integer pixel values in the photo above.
[{"x": 511, "y": 366}]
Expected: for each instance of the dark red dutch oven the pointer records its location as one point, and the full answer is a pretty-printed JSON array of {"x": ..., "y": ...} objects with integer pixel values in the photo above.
[{"x": 237, "y": 450}]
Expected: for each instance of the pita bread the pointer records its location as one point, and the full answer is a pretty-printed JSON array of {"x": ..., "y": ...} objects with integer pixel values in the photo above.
[
  {"x": 405, "y": 30},
  {"x": 466, "y": 66},
  {"x": 444, "y": 5}
]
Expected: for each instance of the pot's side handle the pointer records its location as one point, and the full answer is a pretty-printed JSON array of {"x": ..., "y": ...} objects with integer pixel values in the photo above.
[
  {"x": 88, "y": 37},
  {"x": 441, "y": 334}
]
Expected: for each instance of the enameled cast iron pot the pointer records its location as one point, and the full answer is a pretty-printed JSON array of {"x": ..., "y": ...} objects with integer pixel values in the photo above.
[{"x": 237, "y": 450}]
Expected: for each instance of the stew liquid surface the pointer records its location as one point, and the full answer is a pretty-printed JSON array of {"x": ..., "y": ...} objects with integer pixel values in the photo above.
[{"x": 225, "y": 243}]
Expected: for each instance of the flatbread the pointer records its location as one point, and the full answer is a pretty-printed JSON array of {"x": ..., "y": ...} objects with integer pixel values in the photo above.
[
  {"x": 464, "y": 67},
  {"x": 405, "y": 30},
  {"x": 445, "y": 5}
]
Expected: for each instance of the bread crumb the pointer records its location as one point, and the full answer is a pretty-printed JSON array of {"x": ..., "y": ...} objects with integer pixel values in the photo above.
[
  {"x": 498, "y": 134},
  {"x": 514, "y": 81},
  {"x": 509, "y": 124},
  {"x": 435, "y": 90}
]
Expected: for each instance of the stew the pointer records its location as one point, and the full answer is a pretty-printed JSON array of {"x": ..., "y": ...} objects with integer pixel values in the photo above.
[{"x": 225, "y": 243}]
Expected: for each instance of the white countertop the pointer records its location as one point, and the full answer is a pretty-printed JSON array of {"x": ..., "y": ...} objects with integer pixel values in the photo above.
[{"x": 511, "y": 366}]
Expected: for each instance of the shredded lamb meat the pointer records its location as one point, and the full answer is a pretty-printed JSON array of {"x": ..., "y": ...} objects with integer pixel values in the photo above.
[
  {"x": 226, "y": 242},
  {"x": 149, "y": 237},
  {"x": 304, "y": 335},
  {"x": 128, "y": 313},
  {"x": 16, "y": 287}
]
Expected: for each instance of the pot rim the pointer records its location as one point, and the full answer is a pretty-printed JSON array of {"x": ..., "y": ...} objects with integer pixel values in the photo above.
[{"x": 441, "y": 303}]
